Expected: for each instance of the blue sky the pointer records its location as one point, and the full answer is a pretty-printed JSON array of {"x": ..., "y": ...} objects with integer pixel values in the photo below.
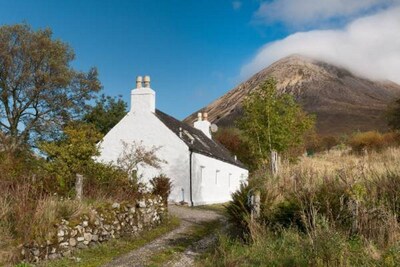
[{"x": 195, "y": 51}]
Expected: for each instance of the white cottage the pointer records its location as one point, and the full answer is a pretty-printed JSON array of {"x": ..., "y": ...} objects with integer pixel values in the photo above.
[{"x": 202, "y": 170}]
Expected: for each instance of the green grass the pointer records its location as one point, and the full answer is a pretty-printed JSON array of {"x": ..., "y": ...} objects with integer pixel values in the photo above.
[
  {"x": 289, "y": 247},
  {"x": 108, "y": 251},
  {"x": 196, "y": 233}
]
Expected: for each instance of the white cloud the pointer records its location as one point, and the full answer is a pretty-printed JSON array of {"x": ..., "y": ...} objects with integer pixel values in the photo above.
[
  {"x": 299, "y": 13},
  {"x": 369, "y": 46},
  {"x": 236, "y": 5}
]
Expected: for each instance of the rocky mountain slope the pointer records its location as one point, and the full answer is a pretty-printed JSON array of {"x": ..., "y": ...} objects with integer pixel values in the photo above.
[{"x": 342, "y": 101}]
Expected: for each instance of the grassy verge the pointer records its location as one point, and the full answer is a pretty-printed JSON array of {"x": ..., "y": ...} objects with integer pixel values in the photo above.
[
  {"x": 181, "y": 244},
  {"x": 106, "y": 252},
  {"x": 292, "y": 248}
]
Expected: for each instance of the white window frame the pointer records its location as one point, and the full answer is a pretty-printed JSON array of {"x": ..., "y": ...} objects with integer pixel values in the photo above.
[{"x": 216, "y": 176}]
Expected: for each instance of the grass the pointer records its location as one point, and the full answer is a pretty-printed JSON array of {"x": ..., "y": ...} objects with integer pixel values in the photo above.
[
  {"x": 336, "y": 208},
  {"x": 195, "y": 234},
  {"x": 108, "y": 251},
  {"x": 218, "y": 208}
]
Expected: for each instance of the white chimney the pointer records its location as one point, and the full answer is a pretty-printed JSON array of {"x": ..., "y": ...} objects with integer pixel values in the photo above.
[
  {"x": 143, "y": 99},
  {"x": 203, "y": 124}
]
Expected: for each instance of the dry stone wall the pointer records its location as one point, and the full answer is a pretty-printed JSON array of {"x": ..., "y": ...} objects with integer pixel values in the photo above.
[{"x": 99, "y": 225}]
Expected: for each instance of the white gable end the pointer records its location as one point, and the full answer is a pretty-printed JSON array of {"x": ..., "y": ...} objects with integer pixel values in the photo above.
[{"x": 198, "y": 176}]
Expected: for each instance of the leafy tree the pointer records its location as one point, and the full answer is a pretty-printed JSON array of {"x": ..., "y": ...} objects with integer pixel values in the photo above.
[
  {"x": 72, "y": 154},
  {"x": 273, "y": 121},
  {"x": 39, "y": 90},
  {"x": 107, "y": 112},
  {"x": 393, "y": 115},
  {"x": 233, "y": 140}
]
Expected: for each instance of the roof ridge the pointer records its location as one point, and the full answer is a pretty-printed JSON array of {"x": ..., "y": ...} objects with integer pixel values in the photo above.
[{"x": 204, "y": 145}]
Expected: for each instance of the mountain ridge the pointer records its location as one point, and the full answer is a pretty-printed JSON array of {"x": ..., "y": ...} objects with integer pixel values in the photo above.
[{"x": 342, "y": 101}]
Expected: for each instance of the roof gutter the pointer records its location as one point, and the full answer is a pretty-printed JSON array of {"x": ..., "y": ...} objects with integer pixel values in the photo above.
[{"x": 190, "y": 176}]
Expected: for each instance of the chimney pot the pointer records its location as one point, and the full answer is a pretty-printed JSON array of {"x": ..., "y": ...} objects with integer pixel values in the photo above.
[
  {"x": 139, "y": 82},
  {"x": 199, "y": 116},
  {"x": 205, "y": 116},
  {"x": 146, "y": 80}
]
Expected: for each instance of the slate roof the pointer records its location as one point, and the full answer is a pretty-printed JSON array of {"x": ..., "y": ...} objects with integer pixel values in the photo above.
[{"x": 197, "y": 141}]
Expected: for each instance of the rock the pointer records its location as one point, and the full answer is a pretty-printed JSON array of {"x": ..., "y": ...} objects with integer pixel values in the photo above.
[
  {"x": 86, "y": 242},
  {"x": 60, "y": 233},
  {"x": 35, "y": 252},
  {"x": 72, "y": 242},
  {"x": 80, "y": 239},
  {"x": 95, "y": 238},
  {"x": 116, "y": 205},
  {"x": 64, "y": 244},
  {"x": 142, "y": 204},
  {"x": 74, "y": 233},
  {"x": 87, "y": 236},
  {"x": 54, "y": 256},
  {"x": 80, "y": 229},
  {"x": 81, "y": 246},
  {"x": 132, "y": 210},
  {"x": 85, "y": 223}
]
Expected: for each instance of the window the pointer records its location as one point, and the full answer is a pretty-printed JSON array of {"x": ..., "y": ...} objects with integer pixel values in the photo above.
[
  {"x": 201, "y": 173},
  {"x": 229, "y": 180},
  {"x": 216, "y": 176}
]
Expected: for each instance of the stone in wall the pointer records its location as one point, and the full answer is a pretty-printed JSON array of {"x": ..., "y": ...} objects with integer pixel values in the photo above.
[{"x": 115, "y": 221}]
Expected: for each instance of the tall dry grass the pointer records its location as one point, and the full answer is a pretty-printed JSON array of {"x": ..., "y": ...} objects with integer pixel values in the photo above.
[{"x": 328, "y": 203}]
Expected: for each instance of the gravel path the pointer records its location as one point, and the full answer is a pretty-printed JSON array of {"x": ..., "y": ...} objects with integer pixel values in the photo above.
[{"x": 189, "y": 217}]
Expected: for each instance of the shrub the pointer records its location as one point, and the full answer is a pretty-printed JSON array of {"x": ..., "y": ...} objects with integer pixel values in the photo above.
[
  {"x": 238, "y": 209},
  {"x": 71, "y": 155},
  {"x": 329, "y": 141},
  {"x": 161, "y": 186},
  {"x": 109, "y": 182},
  {"x": 368, "y": 141}
]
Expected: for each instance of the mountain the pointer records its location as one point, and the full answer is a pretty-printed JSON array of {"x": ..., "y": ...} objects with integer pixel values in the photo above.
[{"x": 342, "y": 102}]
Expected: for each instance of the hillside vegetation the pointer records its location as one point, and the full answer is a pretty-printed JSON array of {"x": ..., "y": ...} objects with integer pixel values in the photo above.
[{"x": 336, "y": 208}]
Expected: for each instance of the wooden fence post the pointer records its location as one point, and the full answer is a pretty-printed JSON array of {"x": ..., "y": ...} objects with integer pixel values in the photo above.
[
  {"x": 274, "y": 162},
  {"x": 79, "y": 187},
  {"x": 255, "y": 203}
]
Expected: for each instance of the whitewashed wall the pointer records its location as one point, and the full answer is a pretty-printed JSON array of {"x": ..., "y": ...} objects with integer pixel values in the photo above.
[
  {"x": 146, "y": 127},
  {"x": 214, "y": 180}
]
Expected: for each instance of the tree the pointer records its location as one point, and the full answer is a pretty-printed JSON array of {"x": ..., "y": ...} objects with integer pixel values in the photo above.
[
  {"x": 393, "y": 115},
  {"x": 233, "y": 140},
  {"x": 136, "y": 155},
  {"x": 273, "y": 121},
  {"x": 39, "y": 90},
  {"x": 72, "y": 154},
  {"x": 107, "y": 112}
]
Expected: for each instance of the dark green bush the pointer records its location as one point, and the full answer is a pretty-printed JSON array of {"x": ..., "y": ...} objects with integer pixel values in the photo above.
[
  {"x": 108, "y": 181},
  {"x": 161, "y": 186},
  {"x": 238, "y": 209}
]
